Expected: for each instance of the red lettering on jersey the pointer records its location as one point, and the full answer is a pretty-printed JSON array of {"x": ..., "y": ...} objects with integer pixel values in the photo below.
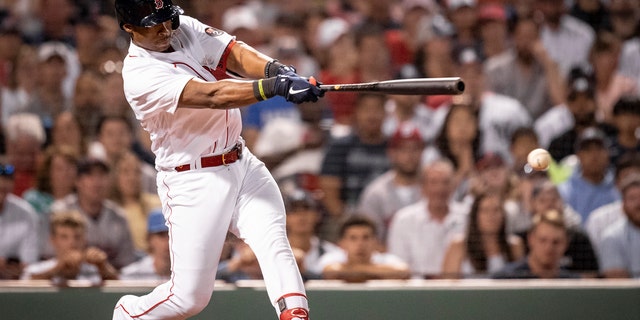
[{"x": 159, "y": 4}]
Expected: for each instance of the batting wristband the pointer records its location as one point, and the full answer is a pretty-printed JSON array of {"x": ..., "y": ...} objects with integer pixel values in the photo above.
[
  {"x": 263, "y": 89},
  {"x": 271, "y": 69}
]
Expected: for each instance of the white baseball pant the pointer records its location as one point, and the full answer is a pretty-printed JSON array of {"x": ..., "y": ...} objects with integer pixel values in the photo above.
[{"x": 200, "y": 206}]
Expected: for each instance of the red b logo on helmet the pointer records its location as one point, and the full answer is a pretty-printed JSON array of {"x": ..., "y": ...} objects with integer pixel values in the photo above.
[{"x": 159, "y": 4}]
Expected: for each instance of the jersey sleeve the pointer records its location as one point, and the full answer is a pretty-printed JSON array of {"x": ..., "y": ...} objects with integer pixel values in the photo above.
[
  {"x": 213, "y": 41},
  {"x": 152, "y": 86}
]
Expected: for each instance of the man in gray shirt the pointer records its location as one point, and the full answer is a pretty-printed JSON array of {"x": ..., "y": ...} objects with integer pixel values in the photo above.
[
  {"x": 18, "y": 229},
  {"x": 107, "y": 228},
  {"x": 620, "y": 247}
]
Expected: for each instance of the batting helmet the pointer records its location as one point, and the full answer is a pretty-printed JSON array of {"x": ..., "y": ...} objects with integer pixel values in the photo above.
[{"x": 147, "y": 13}]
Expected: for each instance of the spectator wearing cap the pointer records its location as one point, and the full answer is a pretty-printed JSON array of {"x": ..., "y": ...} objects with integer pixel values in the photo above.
[
  {"x": 400, "y": 185},
  {"x": 156, "y": 265},
  {"x": 566, "y": 38},
  {"x": 527, "y": 72},
  {"x": 463, "y": 15},
  {"x": 579, "y": 256},
  {"x": 19, "y": 229},
  {"x": 604, "y": 216},
  {"x": 626, "y": 120},
  {"x": 303, "y": 217},
  {"x": 559, "y": 127},
  {"x": 620, "y": 247},
  {"x": 107, "y": 227},
  {"x": 242, "y": 21},
  {"x": 412, "y": 110},
  {"x": 73, "y": 259},
  {"x": 492, "y": 21},
  {"x": 18, "y": 94},
  {"x": 53, "y": 95},
  {"x": 593, "y": 13},
  {"x": 338, "y": 56},
  {"x": 498, "y": 115},
  {"x": 592, "y": 184},
  {"x": 24, "y": 140},
  {"x": 403, "y": 42}
]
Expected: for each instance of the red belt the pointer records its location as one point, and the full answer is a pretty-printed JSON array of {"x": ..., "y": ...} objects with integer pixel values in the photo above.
[{"x": 213, "y": 161}]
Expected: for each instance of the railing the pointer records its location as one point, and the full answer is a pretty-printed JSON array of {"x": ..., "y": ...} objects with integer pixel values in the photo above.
[{"x": 403, "y": 300}]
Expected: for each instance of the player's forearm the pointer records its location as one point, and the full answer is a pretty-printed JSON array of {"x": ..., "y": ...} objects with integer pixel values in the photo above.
[
  {"x": 247, "y": 61},
  {"x": 224, "y": 94}
]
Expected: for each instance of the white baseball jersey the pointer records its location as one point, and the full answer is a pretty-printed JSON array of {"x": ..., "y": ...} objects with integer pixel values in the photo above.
[
  {"x": 180, "y": 136},
  {"x": 202, "y": 204}
]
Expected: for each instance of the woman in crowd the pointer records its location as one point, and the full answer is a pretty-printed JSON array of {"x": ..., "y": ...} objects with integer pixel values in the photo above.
[
  {"x": 127, "y": 192},
  {"x": 459, "y": 142},
  {"x": 487, "y": 247}
]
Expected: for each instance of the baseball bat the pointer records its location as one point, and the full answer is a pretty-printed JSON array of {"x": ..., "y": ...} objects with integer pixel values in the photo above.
[{"x": 416, "y": 86}]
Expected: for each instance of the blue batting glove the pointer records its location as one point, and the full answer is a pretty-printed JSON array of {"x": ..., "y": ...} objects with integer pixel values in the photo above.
[{"x": 297, "y": 89}]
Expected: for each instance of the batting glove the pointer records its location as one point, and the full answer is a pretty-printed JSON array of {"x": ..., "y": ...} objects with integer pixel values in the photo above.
[
  {"x": 294, "y": 89},
  {"x": 275, "y": 68},
  {"x": 298, "y": 89}
]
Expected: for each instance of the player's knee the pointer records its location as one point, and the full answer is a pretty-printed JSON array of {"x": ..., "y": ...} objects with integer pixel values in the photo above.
[{"x": 191, "y": 304}]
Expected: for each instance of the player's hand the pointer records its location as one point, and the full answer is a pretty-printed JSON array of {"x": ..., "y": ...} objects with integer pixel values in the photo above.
[
  {"x": 298, "y": 89},
  {"x": 287, "y": 71}
]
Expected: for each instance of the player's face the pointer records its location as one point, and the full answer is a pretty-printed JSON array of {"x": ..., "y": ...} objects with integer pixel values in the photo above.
[{"x": 156, "y": 38}]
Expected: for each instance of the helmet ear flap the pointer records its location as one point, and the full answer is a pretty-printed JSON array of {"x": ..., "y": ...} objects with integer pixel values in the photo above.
[{"x": 175, "y": 22}]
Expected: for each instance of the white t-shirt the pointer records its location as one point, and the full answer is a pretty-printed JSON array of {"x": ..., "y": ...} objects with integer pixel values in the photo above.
[
  {"x": 377, "y": 258},
  {"x": 153, "y": 83},
  {"x": 88, "y": 272},
  {"x": 422, "y": 241}
]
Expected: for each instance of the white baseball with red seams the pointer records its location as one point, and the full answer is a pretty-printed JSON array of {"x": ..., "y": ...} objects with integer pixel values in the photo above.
[
  {"x": 539, "y": 159},
  {"x": 200, "y": 205}
]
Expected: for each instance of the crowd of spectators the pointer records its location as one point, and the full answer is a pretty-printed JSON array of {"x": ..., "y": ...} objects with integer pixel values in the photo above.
[{"x": 375, "y": 186}]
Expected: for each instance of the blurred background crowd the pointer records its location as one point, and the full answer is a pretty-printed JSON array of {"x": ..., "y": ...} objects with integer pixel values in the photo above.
[{"x": 375, "y": 186}]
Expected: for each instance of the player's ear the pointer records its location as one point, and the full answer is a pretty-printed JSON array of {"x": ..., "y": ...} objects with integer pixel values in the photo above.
[{"x": 127, "y": 27}]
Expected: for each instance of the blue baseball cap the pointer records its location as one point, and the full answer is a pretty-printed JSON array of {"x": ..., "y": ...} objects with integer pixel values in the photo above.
[{"x": 156, "y": 222}]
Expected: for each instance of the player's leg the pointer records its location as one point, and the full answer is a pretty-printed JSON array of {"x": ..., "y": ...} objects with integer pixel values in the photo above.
[
  {"x": 198, "y": 206},
  {"x": 260, "y": 222}
]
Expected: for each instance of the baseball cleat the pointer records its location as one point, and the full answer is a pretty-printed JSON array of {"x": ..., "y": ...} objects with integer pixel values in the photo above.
[{"x": 295, "y": 314}]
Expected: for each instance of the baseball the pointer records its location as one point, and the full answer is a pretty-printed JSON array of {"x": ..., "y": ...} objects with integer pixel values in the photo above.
[{"x": 539, "y": 159}]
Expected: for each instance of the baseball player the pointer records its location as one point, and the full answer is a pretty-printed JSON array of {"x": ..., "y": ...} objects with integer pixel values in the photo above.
[{"x": 176, "y": 79}]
